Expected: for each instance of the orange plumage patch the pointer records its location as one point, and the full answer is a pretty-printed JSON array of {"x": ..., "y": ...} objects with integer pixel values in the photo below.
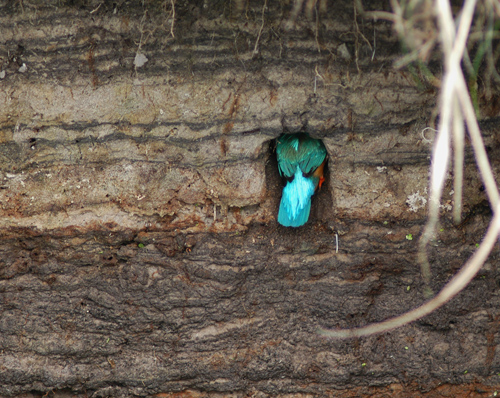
[{"x": 318, "y": 173}]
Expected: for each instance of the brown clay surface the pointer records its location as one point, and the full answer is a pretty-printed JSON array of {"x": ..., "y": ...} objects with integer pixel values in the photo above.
[{"x": 139, "y": 252}]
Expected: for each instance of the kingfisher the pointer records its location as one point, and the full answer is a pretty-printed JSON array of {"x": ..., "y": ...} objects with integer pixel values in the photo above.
[{"x": 301, "y": 160}]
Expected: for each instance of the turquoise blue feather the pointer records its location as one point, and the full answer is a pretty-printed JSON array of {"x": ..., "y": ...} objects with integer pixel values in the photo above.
[
  {"x": 295, "y": 203},
  {"x": 299, "y": 150},
  {"x": 298, "y": 157}
]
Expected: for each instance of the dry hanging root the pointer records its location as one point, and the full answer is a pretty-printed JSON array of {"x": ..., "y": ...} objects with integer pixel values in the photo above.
[{"x": 455, "y": 108}]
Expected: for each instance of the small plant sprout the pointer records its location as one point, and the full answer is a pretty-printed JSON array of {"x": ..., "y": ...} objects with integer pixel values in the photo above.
[{"x": 409, "y": 237}]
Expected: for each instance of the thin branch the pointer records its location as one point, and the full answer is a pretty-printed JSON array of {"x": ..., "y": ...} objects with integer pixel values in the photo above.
[
  {"x": 172, "y": 2},
  {"x": 256, "y": 47},
  {"x": 453, "y": 48}
]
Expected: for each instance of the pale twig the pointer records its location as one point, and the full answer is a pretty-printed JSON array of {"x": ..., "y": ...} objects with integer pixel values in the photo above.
[
  {"x": 173, "y": 18},
  {"x": 96, "y": 9},
  {"x": 256, "y": 47},
  {"x": 453, "y": 48}
]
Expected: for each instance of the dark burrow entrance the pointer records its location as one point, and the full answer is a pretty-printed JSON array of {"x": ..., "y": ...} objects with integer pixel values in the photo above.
[{"x": 322, "y": 209}]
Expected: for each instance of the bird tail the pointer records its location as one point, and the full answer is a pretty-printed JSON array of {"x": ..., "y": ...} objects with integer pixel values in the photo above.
[{"x": 295, "y": 203}]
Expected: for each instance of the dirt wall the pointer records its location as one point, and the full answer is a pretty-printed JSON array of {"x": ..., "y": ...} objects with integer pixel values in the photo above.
[{"x": 139, "y": 251}]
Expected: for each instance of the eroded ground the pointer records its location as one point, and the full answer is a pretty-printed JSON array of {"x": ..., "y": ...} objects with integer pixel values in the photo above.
[{"x": 139, "y": 252}]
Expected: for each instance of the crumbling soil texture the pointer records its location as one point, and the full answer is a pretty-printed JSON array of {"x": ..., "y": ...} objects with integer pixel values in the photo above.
[{"x": 139, "y": 249}]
